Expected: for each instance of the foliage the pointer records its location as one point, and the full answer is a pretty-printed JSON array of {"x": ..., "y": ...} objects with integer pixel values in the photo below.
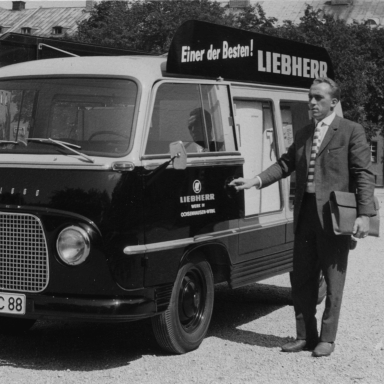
[
  {"x": 253, "y": 18},
  {"x": 356, "y": 50},
  {"x": 150, "y": 25},
  {"x": 357, "y": 54},
  {"x": 147, "y": 26}
]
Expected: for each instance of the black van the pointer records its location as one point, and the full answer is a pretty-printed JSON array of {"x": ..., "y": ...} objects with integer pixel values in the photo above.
[{"x": 114, "y": 204}]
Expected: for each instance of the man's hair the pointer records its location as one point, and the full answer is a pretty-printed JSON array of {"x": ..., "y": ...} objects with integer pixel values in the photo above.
[
  {"x": 198, "y": 112},
  {"x": 335, "y": 89}
]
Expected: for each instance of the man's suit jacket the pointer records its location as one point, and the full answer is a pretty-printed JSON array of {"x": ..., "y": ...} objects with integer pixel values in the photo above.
[{"x": 342, "y": 164}]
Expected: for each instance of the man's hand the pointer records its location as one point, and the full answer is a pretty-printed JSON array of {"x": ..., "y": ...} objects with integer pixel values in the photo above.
[
  {"x": 361, "y": 227},
  {"x": 241, "y": 183}
]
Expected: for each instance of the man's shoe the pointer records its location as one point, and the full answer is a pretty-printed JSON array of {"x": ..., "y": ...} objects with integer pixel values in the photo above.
[
  {"x": 298, "y": 345},
  {"x": 323, "y": 349}
]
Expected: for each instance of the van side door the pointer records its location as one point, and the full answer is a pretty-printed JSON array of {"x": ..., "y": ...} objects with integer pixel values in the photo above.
[
  {"x": 262, "y": 234},
  {"x": 183, "y": 208}
]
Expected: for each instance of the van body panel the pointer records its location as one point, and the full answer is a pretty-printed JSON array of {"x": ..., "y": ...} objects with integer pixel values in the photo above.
[{"x": 95, "y": 198}]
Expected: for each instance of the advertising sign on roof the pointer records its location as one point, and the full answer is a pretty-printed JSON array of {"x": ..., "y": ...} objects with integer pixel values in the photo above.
[{"x": 209, "y": 50}]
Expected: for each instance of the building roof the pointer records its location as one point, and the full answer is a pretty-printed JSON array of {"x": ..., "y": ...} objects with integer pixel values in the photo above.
[
  {"x": 42, "y": 20},
  {"x": 359, "y": 10}
]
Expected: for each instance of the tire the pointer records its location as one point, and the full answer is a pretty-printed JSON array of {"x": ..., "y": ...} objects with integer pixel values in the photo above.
[
  {"x": 12, "y": 325},
  {"x": 183, "y": 326}
]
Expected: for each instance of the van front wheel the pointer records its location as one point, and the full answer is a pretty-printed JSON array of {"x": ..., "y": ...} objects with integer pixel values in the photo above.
[{"x": 183, "y": 326}]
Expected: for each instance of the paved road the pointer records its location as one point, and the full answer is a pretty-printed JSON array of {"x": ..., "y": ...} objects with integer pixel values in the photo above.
[{"x": 242, "y": 346}]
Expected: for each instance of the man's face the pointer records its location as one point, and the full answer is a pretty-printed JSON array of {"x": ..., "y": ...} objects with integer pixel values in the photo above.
[
  {"x": 195, "y": 127},
  {"x": 321, "y": 103}
]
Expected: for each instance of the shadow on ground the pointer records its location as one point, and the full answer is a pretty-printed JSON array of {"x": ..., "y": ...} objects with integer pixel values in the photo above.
[
  {"x": 62, "y": 345},
  {"x": 234, "y": 308}
]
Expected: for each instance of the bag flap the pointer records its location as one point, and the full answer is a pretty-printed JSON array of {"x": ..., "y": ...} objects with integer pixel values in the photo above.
[{"x": 344, "y": 199}]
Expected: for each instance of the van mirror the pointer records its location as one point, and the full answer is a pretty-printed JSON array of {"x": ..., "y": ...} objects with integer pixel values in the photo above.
[{"x": 178, "y": 154}]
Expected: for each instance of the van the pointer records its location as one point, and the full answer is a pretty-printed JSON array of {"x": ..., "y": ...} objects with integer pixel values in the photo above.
[{"x": 114, "y": 196}]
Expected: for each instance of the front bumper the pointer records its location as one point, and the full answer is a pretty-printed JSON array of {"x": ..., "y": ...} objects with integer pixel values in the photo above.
[
  {"x": 107, "y": 309},
  {"x": 90, "y": 309}
]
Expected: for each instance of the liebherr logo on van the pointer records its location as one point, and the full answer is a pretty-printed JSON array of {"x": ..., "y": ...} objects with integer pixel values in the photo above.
[
  {"x": 196, "y": 186},
  {"x": 197, "y": 202}
]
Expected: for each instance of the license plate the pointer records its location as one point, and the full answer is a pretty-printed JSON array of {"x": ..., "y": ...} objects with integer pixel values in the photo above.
[{"x": 12, "y": 303}]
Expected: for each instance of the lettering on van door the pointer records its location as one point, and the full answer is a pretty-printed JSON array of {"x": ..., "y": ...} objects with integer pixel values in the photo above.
[{"x": 198, "y": 204}]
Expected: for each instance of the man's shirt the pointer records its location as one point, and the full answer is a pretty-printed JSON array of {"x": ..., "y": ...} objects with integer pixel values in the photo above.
[{"x": 323, "y": 125}]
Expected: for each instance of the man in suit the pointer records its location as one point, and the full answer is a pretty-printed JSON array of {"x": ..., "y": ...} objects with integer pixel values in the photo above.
[
  {"x": 330, "y": 155},
  {"x": 196, "y": 129}
]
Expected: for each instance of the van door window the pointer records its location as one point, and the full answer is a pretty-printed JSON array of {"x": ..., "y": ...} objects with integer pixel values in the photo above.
[
  {"x": 198, "y": 115},
  {"x": 294, "y": 116},
  {"x": 258, "y": 146}
]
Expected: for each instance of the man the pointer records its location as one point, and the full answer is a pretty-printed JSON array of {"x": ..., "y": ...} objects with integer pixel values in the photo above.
[
  {"x": 199, "y": 134},
  {"x": 333, "y": 157}
]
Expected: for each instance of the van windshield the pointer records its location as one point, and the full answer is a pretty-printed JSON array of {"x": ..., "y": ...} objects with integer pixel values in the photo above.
[{"x": 95, "y": 115}]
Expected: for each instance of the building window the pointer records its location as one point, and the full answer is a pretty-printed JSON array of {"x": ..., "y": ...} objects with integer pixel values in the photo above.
[
  {"x": 26, "y": 31},
  {"x": 57, "y": 30},
  {"x": 374, "y": 151},
  {"x": 372, "y": 22}
]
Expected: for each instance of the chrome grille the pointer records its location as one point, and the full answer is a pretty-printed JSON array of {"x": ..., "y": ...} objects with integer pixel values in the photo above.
[{"x": 23, "y": 253}]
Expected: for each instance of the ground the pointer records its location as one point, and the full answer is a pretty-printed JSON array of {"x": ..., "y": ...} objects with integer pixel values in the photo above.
[{"x": 242, "y": 346}]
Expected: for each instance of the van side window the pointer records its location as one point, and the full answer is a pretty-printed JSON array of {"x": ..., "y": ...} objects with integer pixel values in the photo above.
[
  {"x": 294, "y": 116},
  {"x": 255, "y": 121},
  {"x": 198, "y": 115}
]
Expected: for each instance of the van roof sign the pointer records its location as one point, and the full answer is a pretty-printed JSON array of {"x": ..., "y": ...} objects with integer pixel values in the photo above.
[{"x": 204, "y": 49}]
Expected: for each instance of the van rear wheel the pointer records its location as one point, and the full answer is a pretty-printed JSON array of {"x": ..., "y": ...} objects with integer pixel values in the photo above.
[{"x": 183, "y": 326}]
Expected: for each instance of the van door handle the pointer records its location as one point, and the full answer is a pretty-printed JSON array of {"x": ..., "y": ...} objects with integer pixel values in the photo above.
[{"x": 239, "y": 134}]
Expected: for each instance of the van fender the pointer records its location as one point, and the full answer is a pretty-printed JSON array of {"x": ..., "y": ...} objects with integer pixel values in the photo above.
[{"x": 215, "y": 253}]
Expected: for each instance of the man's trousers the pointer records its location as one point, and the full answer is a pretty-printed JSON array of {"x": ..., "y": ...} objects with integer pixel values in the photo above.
[{"x": 315, "y": 251}]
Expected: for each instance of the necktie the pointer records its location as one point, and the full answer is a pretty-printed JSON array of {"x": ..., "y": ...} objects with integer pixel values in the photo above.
[{"x": 314, "y": 150}]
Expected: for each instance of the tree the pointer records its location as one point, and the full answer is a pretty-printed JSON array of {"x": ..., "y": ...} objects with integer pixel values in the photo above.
[
  {"x": 357, "y": 57},
  {"x": 147, "y": 26},
  {"x": 254, "y": 19},
  {"x": 356, "y": 50},
  {"x": 150, "y": 25}
]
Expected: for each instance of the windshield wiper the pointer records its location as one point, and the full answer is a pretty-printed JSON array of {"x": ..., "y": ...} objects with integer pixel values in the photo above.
[
  {"x": 8, "y": 142},
  {"x": 63, "y": 144}
]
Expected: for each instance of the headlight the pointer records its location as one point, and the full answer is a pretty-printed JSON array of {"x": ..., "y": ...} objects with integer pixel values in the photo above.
[{"x": 73, "y": 245}]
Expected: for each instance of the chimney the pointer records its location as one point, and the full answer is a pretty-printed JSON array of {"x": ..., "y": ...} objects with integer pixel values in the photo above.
[
  {"x": 18, "y": 5},
  {"x": 89, "y": 5}
]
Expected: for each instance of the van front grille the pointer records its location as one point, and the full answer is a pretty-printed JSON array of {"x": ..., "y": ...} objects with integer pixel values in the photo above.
[{"x": 23, "y": 253}]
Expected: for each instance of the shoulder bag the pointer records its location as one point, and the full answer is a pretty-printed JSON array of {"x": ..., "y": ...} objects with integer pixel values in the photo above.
[{"x": 344, "y": 212}]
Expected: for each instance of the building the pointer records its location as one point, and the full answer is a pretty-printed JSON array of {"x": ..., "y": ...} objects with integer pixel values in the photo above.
[
  {"x": 44, "y": 22},
  {"x": 368, "y": 11},
  {"x": 39, "y": 33}
]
